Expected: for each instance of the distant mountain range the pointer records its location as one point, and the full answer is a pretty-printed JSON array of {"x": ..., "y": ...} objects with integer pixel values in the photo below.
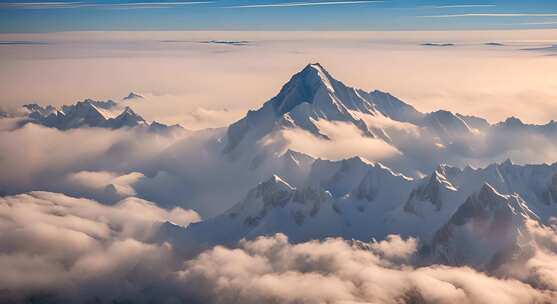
[{"x": 90, "y": 113}]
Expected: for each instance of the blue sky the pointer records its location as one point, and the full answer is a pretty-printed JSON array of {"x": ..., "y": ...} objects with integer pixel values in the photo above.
[{"x": 358, "y": 15}]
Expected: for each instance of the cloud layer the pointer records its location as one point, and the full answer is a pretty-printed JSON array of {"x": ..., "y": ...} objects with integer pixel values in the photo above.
[
  {"x": 31, "y": 162},
  {"x": 344, "y": 141},
  {"x": 68, "y": 249},
  {"x": 335, "y": 271},
  {"x": 59, "y": 248}
]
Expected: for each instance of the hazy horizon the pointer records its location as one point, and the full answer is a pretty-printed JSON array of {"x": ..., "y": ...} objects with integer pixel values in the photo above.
[{"x": 178, "y": 68}]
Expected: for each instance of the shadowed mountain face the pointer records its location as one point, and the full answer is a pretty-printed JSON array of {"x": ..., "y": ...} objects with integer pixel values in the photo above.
[{"x": 485, "y": 227}]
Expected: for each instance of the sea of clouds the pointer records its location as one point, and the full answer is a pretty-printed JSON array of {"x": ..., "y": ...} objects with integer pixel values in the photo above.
[
  {"x": 81, "y": 210},
  {"x": 93, "y": 232},
  {"x": 55, "y": 248}
]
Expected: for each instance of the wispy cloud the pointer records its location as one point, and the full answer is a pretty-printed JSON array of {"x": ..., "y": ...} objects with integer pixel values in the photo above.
[
  {"x": 292, "y": 4},
  {"x": 104, "y": 5},
  {"x": 491, "y": 15},
  {"x": 463, "y": 5},
  {"x": 21, "y": 42},
  {"x": 538, "y": 23},
  {"x": 41, "y": 5}
]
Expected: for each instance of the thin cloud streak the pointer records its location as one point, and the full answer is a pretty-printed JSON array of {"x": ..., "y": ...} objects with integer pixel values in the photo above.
[
  {"x": 539, "y": 23},
  {"x": 293, "y": 4},
  {"x": 464, "y": 5},
  {"x": 490, "y": 15},
  {"x": 41, "y": 5},
  {"x": 151, "y": 4},
  {"x": 74, "y": 5}
]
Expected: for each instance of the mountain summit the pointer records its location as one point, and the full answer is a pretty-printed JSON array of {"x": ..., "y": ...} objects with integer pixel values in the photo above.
[
  {"x": 303, "y": 87},
  {"x": 309, "y": 96},
  {"x": 132, "y": 96}
]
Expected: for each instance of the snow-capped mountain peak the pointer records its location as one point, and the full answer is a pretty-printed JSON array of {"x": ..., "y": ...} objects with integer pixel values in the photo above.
[
  {"x": 446, "y": 124},
  {"x": 434, "y": 191},
  {"x": 309, "y": 96},
  {"x": 270, "y": 193},
  {"x": 513, "y": 204},
  {"x": 128, "y": 118},
  {"x": 303, "y": 87},
  {"x": 85, "y": 113},
  {"x": 133, "y": 96},
  {"x": 295, "y": 157},
  {"x": 483, "y": 228},
  {"x": 272, "y": 206}
]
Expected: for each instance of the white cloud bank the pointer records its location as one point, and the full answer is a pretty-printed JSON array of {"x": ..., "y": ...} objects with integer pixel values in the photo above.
[
  {"x": 173, "y": 109},
  {"x": 270, "y": 269},
  {"x": 57, "y": 248},
  {"x": 344, "y": 141},
  {"x": 53, "y": 245},
  {"x": 35, "y": 157}
]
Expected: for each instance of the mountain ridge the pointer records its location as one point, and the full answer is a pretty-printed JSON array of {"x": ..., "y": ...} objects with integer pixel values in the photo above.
[{"x": 92, "y": 113}]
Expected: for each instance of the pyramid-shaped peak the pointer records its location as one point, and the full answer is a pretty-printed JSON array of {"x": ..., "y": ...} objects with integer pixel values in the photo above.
[
  {"x": 314, "y": 67},
  {"x": 289, "y": 153},
  {"x": 128, "y": 110},
  {"x": 490, "y": 199},
  {"x": 489, "y": 194},
  {"x": 85, "y": 106},
  {"x": 130, "y": 117},
  {"x": 356, "y": 161},
  {"x": 133, "y": 95},
  {"x": 508, "y": 162},
  {"x": 303, "y": 87},
  {"x": 446, "y": 171},
  {"x": 488, "y": 189},
  {"x": 439, "y": 174},
  {"x": 315, "y": 72},
  {"x": 438, "y": 179}
]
